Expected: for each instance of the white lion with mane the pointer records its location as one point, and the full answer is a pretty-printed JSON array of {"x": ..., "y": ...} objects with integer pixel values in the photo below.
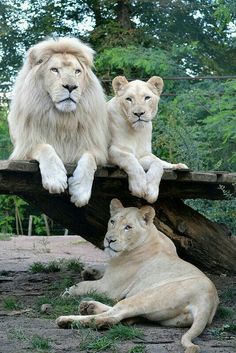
[{"x": 58, "y": 115}]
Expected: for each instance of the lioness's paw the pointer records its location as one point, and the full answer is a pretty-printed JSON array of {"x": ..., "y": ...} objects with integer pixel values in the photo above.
[
  {"x": 80, "y": 191},
  {"x": 152, "y": 193},
  {"x": 180, "y": 166},
  {"x": 87, "y": 308},
  {"x": 64, "y": 321},
  {"x": 138, "y": 185},
  {"x": 54, "y": 178}
]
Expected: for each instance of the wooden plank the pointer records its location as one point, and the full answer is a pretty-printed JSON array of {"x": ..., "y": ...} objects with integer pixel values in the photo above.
[{"x": 181, "y": 175}]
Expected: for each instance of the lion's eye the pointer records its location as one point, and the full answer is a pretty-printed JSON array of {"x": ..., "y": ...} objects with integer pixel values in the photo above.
[
  {"x": 129, "y": 99},
  {"x": 112, "y": 221},
  {"x": 147, "y": 98},
  {"x": 127, "y": 227},
  {"x": 77, "y": 72},
  {"x": 54, "y": 69}
]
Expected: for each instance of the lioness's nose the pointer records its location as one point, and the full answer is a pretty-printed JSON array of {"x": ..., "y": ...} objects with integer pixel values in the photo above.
[
  {"x": 139, "y": 114},
  {"x": 70, "y": 87}
]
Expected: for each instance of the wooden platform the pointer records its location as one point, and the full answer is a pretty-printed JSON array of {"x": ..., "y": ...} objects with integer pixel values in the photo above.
[
  {"x": 203, "y": 242},
  {"x": 24, "y": 176}
]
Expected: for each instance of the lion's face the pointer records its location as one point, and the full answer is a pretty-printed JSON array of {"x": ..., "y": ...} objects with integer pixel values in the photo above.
[
  {"x": 128, "y": 228},
  {"x": 64, "y": 78},
  {"x": 138, "y": 100}
]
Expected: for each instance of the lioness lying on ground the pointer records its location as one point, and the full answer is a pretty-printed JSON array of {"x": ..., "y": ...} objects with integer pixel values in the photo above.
[
  {"x": 148, "y": 278},
  {"x": 58, "y": 115},
  {"x": 130, "y": 116}
]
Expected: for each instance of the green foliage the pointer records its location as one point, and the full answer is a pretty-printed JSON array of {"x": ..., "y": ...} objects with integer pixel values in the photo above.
[
  {"x": 225, "y": 313},
  {"x": 137, "y": 349},
  {"x": 5, "y": 143},
  {"x": 74, "y": 265},
  {"x": 123, "y": 332}
]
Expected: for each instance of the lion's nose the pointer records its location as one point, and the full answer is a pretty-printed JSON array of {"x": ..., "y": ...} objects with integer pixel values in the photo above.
[
  {"x": 110, "y": 239},
  {"x": 139, "y": 114},
  {"x": 70, "y": 87}
]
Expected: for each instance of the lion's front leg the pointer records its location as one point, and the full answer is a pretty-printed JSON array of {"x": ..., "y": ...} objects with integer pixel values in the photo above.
[
  {"x": 85, "y": 287},
  {"x": 80, "y": 184},
  {"x": 53, "y": 172},
  {"x": 154, "y": 173},
  {"x": 129, "y": 163}
]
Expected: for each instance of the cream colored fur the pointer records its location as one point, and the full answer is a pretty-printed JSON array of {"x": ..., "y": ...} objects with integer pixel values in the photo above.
[
  {"x": 130, "y": 116},
  {"x": 147, "y": 278},
  {"x": 58, "y": 115}
]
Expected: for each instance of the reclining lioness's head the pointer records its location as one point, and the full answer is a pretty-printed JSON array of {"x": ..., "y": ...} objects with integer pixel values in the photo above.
[
  {"x": 128, "y": 227},
  {"x": 60, "y": 68},
  {"x": 138, "y": 100}
]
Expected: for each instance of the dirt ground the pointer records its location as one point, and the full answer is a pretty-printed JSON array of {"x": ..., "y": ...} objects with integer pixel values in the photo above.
[{"x": 22, "y": 293}]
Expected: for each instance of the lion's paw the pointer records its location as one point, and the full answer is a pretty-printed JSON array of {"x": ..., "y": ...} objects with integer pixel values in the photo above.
[
  {"x": 180, "y": 166},
  {"x": 54, "y": 178},
  {"x": 80, "y": 191},
  {"x": 87, "y": 308}
]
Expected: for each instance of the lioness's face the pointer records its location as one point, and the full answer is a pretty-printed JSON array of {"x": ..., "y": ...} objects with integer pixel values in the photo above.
[
  {"x": 128, "y": 228},
  {"x": 64, "y": 80},
  {"x": 138, "y": 100}
]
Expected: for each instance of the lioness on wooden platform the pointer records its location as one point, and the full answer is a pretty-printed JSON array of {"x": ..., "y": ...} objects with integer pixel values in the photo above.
[{"x": 147, "y": 278}]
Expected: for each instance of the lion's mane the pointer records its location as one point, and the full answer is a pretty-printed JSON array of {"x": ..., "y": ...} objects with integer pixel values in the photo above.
[{"x": 33, "y": 118}]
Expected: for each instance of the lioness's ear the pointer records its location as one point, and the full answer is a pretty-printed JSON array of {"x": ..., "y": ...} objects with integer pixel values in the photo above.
[
  {"x": 118, "y": 83},
  {"x": 147, "y": 213},
  {"x": 115, "y": 205},
  {"x": 157, "y": 83},
  {"x": 33, "y": 57}
]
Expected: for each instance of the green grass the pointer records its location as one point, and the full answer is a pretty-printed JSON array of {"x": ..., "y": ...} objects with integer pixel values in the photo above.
[
  {"x": 39, "y": 267},
  {"x": 221, "y": 331},
  {"x": 224, "y": 312},
  {"x": 36, "y": 342},
  {"x": 56, "y": 266},
  {"x": 39, "y": 343},
  {"x": 98, "y": 344},
  {"x": 74, "y": 265},
  {"x": 10, "y": 303},
  {"x": 109, "y": 339},
  {"x": 60, "y": 306},
  {"x": 229, "y": 293},
  {"x": 138, "y": 349},
  {"x": 122, "y": 332}
]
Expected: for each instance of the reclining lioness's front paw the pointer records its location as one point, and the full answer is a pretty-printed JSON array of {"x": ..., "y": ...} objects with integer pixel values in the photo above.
[{"x": 54, "y": 178}]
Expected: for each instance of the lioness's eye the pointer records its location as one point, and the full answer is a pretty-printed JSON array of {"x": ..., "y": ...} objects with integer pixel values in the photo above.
[
  {"x": 147, "y": 98},
  {"x": 128, "y": 227},
  {"x": 128, "y": 99},
  {"x": 54, "y": 69},
  {"x": 77, "y": 72},
  {"x": 112, "y": 221}
]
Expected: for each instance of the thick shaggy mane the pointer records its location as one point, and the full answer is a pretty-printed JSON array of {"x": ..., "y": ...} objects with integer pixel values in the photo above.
[{"x": 34, "y": 119}]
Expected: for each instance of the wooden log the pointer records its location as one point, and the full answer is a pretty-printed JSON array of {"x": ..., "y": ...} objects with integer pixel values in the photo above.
[{"x": 205, "y": 243}]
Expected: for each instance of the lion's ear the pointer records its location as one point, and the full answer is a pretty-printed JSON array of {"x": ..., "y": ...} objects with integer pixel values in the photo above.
[
  {"x": 156, "y": 83},
  {"x": 115, "y": 206},
  {"x": 147, "y": 213},
  {"x": 118, "y": 83},
  {"x": 33, "y": 57}
]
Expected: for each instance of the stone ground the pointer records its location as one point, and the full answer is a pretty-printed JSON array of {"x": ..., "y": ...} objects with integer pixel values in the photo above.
[{"x": 19, "y": 326}]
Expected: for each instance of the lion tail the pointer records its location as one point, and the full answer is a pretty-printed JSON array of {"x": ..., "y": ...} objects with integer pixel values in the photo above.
[{"x": 200, "y": 321}]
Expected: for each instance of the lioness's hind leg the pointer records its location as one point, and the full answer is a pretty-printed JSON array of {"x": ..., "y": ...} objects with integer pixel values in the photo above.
[{"x": 92, "y": 307}]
